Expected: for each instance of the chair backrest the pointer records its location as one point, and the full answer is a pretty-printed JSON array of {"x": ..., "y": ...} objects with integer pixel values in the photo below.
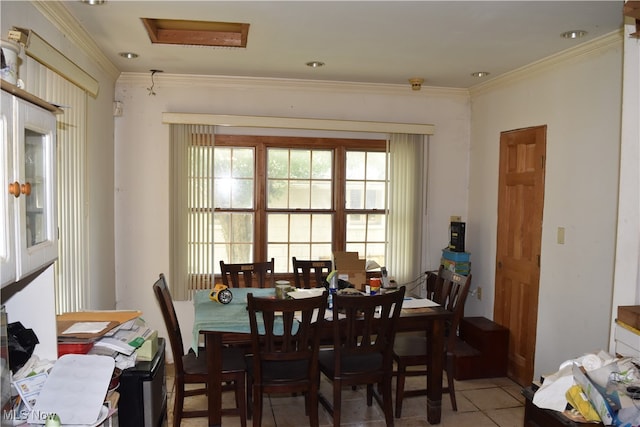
[
  {"x": 454, "y": 290},
  {"x": 434, "y": 288},
  {"x": 303, "y": 270},
  {"x": 248, "y": 275},
  {"x": 165, "y": 301},
  {"x": 286, "y": 330},
  {"x": 368, "y": 327}
]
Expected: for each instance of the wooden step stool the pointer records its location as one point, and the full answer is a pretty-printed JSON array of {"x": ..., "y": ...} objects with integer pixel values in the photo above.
[{"x": 491, "y": 344}]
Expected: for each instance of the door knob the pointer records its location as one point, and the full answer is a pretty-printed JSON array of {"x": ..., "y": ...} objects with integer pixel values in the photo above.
[{"x": 14, "y": 189}]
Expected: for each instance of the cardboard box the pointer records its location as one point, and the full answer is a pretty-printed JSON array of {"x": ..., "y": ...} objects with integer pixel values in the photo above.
[
  {"x": 113, "y": 317},
  {"x": 148, "y": 349},
  {"x": 350, "y": 268},
  {"x": 613, "y": 404},
  {"x": 629, "y": 314},
  {"x": 459, "y": 267},
  {"x": 456, "y": 256}
]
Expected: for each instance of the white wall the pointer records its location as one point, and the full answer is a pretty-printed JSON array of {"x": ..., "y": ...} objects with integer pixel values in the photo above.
[
  {"x": 33, "y": 307},
  {"x": 578, "y": 96},
  {"x": 142, "y": 157}
]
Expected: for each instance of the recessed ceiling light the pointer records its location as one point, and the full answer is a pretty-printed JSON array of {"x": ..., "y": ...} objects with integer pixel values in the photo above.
[
  {"x": 128, "y": 55},
  {"x": 93, "y": 2},
  {"x": 574, "y": 34},
  {"x": 480, "y": 74},
  {"x": 315, "y": 64}
]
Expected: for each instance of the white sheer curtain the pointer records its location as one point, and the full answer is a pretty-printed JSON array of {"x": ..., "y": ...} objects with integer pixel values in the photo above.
[
  {"x": 191, "y": 216},
  {"x": 407, "y": 195}
]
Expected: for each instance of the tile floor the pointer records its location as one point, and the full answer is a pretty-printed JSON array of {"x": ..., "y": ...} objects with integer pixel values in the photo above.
[{"x": 481, "y": 403}]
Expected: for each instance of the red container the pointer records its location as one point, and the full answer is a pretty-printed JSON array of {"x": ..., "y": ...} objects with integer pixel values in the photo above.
[{"x": 74, "y": 348}]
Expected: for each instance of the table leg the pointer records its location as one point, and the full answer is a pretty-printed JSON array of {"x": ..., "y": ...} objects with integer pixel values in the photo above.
[
  {"x": 435, "y": 352},
  {"x": 213, "y": 344}
]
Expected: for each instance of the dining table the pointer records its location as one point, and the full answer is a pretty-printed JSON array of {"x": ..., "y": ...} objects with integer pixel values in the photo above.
[{"x": 223, "y": 323}]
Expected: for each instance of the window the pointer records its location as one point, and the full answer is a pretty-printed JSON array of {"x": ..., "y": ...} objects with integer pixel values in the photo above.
[
  {"x": 299, "y": 204},
  {"x": 283, "y": 197},
  {"x": 366, "y": 201},
  {"x": 234, "y": 202},
  {"x": 251, "y": 198}
]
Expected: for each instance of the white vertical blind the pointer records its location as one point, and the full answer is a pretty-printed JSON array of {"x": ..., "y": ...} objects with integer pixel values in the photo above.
[
  {"x": 71, "y": 267},
  {"x": 407, "y": 192},
  {"x": 191, "y": 216}
]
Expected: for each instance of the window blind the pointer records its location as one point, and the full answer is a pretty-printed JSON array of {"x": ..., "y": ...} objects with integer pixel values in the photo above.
[
  {"x": 191, "y": 216},
  {"x": 71, "y": 268},
  {"x": 407, "y": 195}
]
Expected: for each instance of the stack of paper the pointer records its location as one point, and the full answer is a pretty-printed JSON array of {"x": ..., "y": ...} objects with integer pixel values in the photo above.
[
  {"x": 111, "y": 332},
  {"x": 75, "y": 390},
  {"x": 126, "y": 337}
]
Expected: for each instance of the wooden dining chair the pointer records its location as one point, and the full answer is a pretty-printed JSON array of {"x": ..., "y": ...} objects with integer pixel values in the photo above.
[
  {"x": 434, "y": 292},
  {"x": 248, "y": 275},
  {"x": 192, "y": 369},
  {"x": 364, "y": 329},
  {"x": 410, "y": 349},
  {"x": 285, "y": 342},
  {"x": 303, "y": 270}
]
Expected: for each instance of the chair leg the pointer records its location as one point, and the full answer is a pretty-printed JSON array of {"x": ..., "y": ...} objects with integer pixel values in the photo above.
[
  {"x": 257, "y": 405},
  {"x": 178, "y": 402},
  {"x": 311, "y": 398},
  {"x": 386, "y": 400},
  {"x": 241, "y": 402},
  {"x": 400, "y": 382},
  {"x": 450, "y": 386},
  {"x": 369, "y": 394},
  {"x": 337, "y": 403},
  {"x": 249, "y": 397}
]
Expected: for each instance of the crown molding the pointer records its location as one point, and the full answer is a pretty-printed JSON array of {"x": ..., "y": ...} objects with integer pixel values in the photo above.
[
  {"x": 58, "y": 15},
  {"x": 592, "y": 48},
  {"x": 243, "y": 83}
]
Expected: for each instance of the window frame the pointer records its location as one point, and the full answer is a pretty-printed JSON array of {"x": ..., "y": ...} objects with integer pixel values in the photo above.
[{"x": 340, "y": 147}]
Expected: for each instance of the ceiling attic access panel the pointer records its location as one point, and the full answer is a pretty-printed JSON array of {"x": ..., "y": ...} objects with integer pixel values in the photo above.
[{"x": 199, "y": 33}]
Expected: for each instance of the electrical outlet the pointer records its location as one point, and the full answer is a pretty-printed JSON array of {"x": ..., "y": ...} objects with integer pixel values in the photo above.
[{"x": 479, "y": 292}]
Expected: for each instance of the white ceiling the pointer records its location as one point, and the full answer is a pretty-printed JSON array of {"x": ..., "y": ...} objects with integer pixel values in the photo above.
[{"x": 360, "y": 41}]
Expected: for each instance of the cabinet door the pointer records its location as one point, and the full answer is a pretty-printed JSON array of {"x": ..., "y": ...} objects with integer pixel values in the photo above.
[
  {"x": 36, "y": 216},
  {"x": 7, "y": 200}
]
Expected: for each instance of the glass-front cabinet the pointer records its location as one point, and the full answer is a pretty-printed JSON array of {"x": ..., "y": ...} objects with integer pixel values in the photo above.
[{"x": 29, "y": 235}]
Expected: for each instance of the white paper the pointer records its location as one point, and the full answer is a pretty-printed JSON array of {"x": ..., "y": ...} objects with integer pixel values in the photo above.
[
  {"x": 418, "y": 303},
  {"x": 29, "y": 388},
  {"x": 86, "y": 328},
  {"x": 553, "y": 392},
  {"x": 126, "y": 337},
  {"x": 306, "y": 293},
  {"x": 75, "y": 390},
  {"x": 116, "y": 345}
]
